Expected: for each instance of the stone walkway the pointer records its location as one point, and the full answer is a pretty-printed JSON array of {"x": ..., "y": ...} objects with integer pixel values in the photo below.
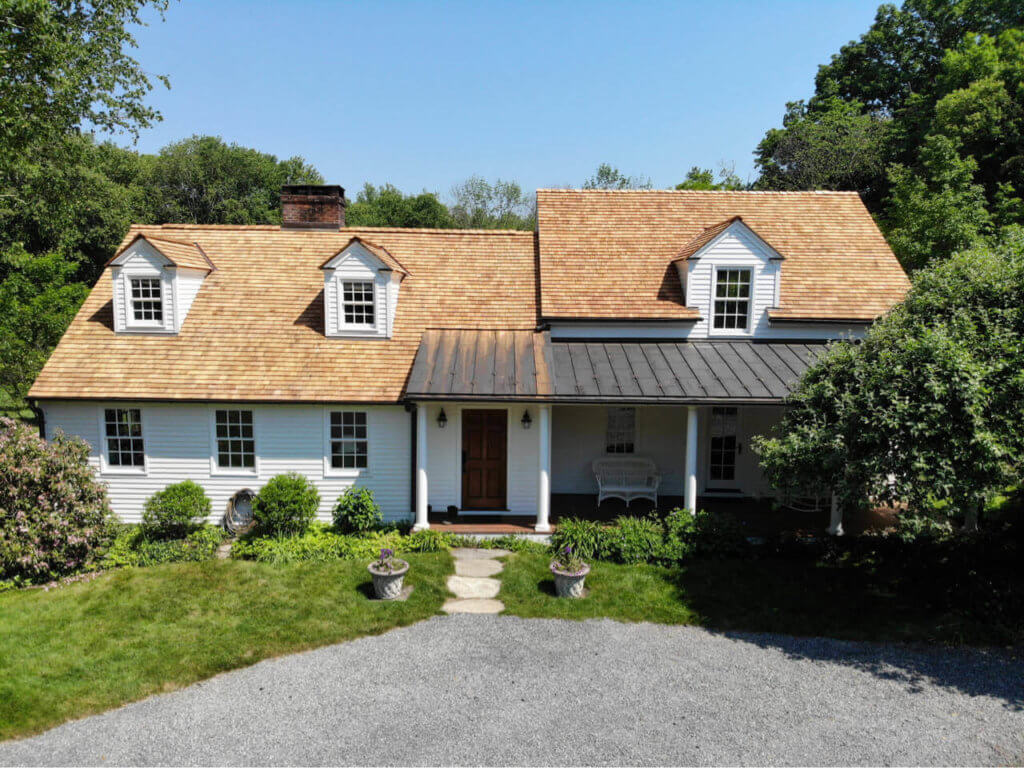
[{"x": 473, "y": 586}]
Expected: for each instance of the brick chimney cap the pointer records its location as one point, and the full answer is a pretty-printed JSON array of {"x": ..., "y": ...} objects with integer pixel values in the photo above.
[{"x": 308, "y": 190}]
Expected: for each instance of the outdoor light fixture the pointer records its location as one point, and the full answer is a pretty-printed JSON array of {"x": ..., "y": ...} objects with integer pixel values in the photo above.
[
  {"x": 442, "y": 420},
  {"x": 526, "y": 421}
]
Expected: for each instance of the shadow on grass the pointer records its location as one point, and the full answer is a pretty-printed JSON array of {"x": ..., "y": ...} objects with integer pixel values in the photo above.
[{"x": 814, "y": 613}]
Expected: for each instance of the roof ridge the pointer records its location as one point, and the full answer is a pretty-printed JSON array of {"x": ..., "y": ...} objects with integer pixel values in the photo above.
[
  {"x": 342, "y": 230},
  {"x": 699, "y": 191}
]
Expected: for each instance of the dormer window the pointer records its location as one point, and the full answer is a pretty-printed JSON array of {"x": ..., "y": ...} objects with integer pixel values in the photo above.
[
  {"x": 147, "y": 300},
  {"x": 357, "y": 303},
  {"x": 732, "y": 299}
]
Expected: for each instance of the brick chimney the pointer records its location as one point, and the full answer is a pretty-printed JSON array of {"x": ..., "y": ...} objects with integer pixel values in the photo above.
[{"x": 312, "y": 206}]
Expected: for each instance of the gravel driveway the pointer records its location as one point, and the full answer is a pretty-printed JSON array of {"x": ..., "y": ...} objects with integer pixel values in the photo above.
[{"x": 471, "y": 690}]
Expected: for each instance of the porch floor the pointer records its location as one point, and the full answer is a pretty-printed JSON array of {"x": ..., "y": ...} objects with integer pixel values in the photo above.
[{"x": 756, "y": 515}]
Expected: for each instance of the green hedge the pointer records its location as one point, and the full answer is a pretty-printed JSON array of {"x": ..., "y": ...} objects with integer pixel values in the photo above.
[
  {"x": 133, "y": 547},
  {"x": 321, "y": 543}
]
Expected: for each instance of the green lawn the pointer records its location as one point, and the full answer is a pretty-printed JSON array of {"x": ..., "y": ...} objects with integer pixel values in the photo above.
[
  {"x": 747, "y": 595},
  {"x": 89, "y": 647}
]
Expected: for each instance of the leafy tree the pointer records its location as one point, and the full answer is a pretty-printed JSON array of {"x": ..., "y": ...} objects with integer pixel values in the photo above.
[
  {"x": 65, "y": 65},
  {"x": 609, "y": 177},
  {"x": 834, "y": 146},
  {"x": 203, "y": 180},
  {"x": 478, "y": 204},
  {"x": 929, "y": 407},
  {"x": 386, "y": 206},
  {"x": 704, "y": 179},
  {"x": 38, "y": 299},
  {"x": 937, "y": 210}
]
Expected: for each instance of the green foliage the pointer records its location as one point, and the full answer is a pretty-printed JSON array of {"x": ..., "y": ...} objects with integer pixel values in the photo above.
[
  {"x": 134, "y": 548},
  {"x": 511, "y": 542},
  {"x": 704, "y": 179},
  {"x": 386, "y": 206},
  {"x": 286, "y": 505},
  {"x": 609, "y": 177},
  {"x": 636, "y": 539},
  {"x": 357, "y": 512},
  {"x": 37, "y": 301},
  {"x": 479, "y": 204},
  {"x": 66, "y": 65},
  {"x": 175, "y": 511},
  {"x": 678, "y": 543},
  {"x": 933, "y": 396},
  {"x": 715, "y": 535},
  {"x": 923, "y": 116},
  {"x": 589, "y": 539},
  {"x": 321, "y": 544},
  {"x": 204, "y": 180},
  {"x": 54, "y": 516}
]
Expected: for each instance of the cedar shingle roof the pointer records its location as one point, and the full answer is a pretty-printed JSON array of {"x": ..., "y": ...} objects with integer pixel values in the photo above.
[
  {"x": 608, "y": 254},
  {"x": 181, "y": 253},
  {"x": 379, "y": 251},
  {"x": 255, "y": 330}
]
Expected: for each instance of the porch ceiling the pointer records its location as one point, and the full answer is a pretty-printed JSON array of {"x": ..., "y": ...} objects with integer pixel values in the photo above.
[{"x": 523, "y": 365}]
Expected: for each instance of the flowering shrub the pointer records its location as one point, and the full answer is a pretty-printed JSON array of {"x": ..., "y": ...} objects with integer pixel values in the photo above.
[
  {"x": 175, "y": 511},
  {"x": 54, "y": 515},
  {"x": 357, "y": 512},
  {"x": 567, "y": 561},
  {"x": 286, "y": 505}
]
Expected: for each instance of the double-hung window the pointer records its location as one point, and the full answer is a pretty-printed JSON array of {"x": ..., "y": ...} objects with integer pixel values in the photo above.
[
  {"x": 147, "y": 300},
  {"x": 349, "y": 440},
  {"x": 123, "y": 434},
  {"x": 621, "y": 433},
  {"x": 357, "y": 308},
  {"x": 236, "y": 441},
  {"x": 732, "y": 299}
]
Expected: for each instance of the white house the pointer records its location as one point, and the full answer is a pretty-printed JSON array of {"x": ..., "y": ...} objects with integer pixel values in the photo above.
[{"x": 479, "y": 370}]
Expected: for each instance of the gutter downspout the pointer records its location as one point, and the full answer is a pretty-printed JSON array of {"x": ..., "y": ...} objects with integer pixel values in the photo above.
[{"x": 40, "y": 417}]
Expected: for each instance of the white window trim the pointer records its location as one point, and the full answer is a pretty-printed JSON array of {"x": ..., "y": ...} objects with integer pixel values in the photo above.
[
  {"x": 375, "y": 292},
  {"x": 749, "y": 330},
  {"x": 636, "y": 432},
  {"x": 381, "y": 323},
  {"x": 351, "y": 473},
  {"x": 166, "y": 300},
  {"x": 105, "y": 466},
  {"x": 215, "y": 468}
]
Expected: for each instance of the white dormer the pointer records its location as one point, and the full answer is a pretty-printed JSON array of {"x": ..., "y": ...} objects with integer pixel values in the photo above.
[
  {"x": 361, "y": 283},
  {"x": 154, "y": 283},
  {"x": 731, "y": 275}
]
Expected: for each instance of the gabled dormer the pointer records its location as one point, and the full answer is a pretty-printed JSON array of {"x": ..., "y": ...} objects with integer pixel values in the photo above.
[
  {"x": 361, "y": 283},
  {"x": 155, "y": 281},
  {"x": 731, "y": 275}
]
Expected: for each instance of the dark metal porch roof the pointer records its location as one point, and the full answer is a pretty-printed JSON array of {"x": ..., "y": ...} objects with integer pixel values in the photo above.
[{"x": 524, "y": 365}]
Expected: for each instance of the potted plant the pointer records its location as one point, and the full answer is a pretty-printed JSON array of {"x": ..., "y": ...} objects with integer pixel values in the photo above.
[
  {"x": 388, "y": 573},
  {"x": 570, "y": 573}
]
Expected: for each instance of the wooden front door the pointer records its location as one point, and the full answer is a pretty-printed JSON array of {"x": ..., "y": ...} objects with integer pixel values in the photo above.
[{"x": 484, "y": 455}]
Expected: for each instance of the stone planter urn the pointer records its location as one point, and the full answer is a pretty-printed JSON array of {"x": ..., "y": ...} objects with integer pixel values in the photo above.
[
  {"x": 387, "y": 579},
  {"x": 569, "y": 584}
]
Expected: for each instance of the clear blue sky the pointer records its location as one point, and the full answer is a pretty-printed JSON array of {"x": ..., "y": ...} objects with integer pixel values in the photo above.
[{"x": 423, "y": 95}]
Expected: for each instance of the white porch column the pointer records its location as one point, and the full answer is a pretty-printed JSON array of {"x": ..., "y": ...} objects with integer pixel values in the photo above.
[
  {"x": 835, "y": 525},
  {"x": 691, "y": 459},
  {"x": 421, "y": 469},
  {"x": 544, "y": 478}
]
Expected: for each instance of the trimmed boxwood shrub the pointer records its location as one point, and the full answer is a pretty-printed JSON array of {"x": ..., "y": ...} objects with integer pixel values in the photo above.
[
  {"x": 175, "y": 511},
  {"x": 54, "y": 516},
  {"x": 357, "y": 512},
  {"x": 286, "y": 505}
]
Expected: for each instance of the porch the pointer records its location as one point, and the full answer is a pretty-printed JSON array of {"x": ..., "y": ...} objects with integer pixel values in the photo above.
[{"x": 509, "y": 424}]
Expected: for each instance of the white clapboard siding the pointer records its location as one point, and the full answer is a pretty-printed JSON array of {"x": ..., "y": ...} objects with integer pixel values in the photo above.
[
  {"x": 179, "y": 446},
  {"x": 187, "y": 283},
  {"x": 444, "y": 457}
]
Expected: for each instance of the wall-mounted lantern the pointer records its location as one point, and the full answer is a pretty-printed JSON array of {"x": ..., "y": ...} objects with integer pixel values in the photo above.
[
  {"x": 442, "y": 419},
  {"x": 526, "y": 421}
]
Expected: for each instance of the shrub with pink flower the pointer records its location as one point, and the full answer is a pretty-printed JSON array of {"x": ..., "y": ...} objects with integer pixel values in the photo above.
[{"x": 54, "y": 515}]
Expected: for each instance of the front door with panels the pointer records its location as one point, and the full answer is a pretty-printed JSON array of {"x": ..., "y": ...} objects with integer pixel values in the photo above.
[
  {"x": 724, "y": 448},
  {"x": 484, "y": 458}
]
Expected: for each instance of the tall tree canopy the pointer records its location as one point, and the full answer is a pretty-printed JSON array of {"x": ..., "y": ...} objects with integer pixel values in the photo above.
[
  {"x": 929, "y": 408},
  {"x": 609, "y": 177},
  {"x": 479, "y": 204},
  {"x": 704, "y": 179},
  {"x": 928, "y": 102},
  {"x": 387, "y": 206}
]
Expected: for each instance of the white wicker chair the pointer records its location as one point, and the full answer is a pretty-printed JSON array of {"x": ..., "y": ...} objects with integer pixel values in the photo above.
[{"x": 626, "y": 478}]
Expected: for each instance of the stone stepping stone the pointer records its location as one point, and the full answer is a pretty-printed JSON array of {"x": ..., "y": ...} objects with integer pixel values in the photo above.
[
  {"x": 477, "y": 568},
  {"x": 467, "y": 587},
  {"x": 468, "y": 553},
  {"x": 473, "y": 606}
]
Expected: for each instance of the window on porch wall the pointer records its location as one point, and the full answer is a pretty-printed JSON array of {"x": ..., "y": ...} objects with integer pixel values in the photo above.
[
  {"x": 722, "y": 461},
  {"x": 621, "y": 434}
]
